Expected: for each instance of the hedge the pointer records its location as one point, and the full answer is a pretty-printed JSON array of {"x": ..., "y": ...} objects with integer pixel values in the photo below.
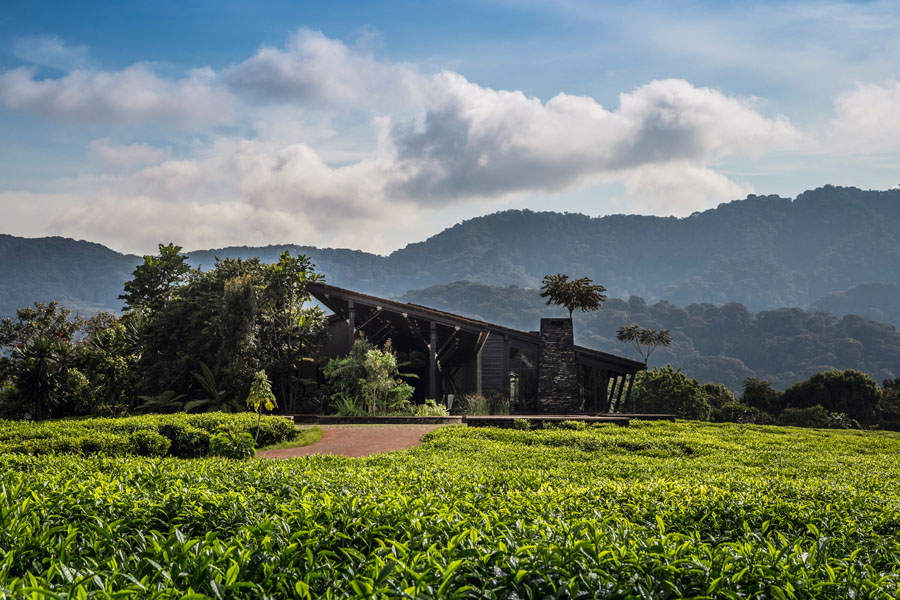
[{"x": 182, "y": 435}]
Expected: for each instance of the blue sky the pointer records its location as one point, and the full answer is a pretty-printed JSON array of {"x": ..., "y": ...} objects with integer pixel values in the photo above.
[{"x": 374, "y": 124}]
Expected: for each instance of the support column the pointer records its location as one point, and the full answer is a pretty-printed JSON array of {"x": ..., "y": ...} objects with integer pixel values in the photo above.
[
  {"x": 351, "y": 325},
  {"x": 432, "y": 362},
  {"x": 628, "y": 394}
]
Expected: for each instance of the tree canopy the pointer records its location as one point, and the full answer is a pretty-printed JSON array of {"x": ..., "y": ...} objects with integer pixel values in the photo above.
[{"x": 576, "y": 294}]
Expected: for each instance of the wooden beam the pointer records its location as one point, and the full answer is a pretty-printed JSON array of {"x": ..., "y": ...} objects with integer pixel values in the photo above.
[{"x": 374, "y": 315}]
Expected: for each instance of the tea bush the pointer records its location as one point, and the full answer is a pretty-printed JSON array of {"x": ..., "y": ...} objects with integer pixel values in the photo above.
[
  {"x": 182, "y": 435},
  {"x": 656, "y": 510}
]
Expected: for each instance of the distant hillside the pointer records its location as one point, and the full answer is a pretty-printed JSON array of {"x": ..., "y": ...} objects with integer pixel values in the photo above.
[
  {"x": 724, "y": 344},
  {"x": 83, "y": 276},
  {"x": 877, "y": 301},
  {"x": 764, "y": 252}
]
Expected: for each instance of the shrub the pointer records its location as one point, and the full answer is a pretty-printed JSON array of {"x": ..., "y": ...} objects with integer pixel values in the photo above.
[
  {"x": 735, "y": 412},
  {"x": 181, "y": 435},
  {"x": 811, "y": 416},
  {"x": 521, "y": 424},
  {"x": 431, "y": 409},
  {"x": 849, "y": 391},
  {"x": 231, "y": 443},
  {"x": 150, "y": 443},
  {"x": 573, "y": 425},
  {"x": 668, "y": 390}
]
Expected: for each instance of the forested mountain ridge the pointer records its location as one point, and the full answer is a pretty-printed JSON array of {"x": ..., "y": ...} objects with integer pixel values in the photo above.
[
  {"x": 724, "y": 344},
  {"x": 82, "y": 276},
  {"x": 765, "y": 252}
]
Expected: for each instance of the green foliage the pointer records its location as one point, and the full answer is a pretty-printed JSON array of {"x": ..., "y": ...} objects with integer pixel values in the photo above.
[
  {"x": 579, "y": 293},
  {"x": 814, "y": 416},
  {"x": 668, "y": 390},
  {"x": 155, "y": 281},
  {"x": 368, "y": 381},
  {"x": 648, "y": 511},
  {"x": 521, "y": 424},
  {"x": 216, "y": 400},
  {"x": 735, "y": 412},
  {"x": 850, "y": 392},
  {"x": 150, "y": 443},
  {"x": 181, "y": 435},
  {"x": 760, "y": 395},
  {"x": 231, "y": 443},
  {"x": 237, "y": 318},
  {"x": 430, "y": 408},
  {"x": 261, "y": 398},
  {"x": 572, "y": 425}
]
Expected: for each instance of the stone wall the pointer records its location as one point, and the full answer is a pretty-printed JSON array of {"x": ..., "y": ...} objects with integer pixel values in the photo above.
[{"x": 557, "y": 368}]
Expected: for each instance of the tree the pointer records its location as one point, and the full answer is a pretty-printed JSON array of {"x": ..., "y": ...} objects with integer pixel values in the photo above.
[
  {"x": 155, "y": 280},
  {"x": 848, "y": 391},
  {"x": 579, "y": 293},
  {"x": 289, "y": 333},
  {"x": 759, "y": 394},
  {"x": 261, "y": 397},
  {"x": 36, "y": 361},
  {"x": 667, "y": 390},
  {"x": 645, "y": 340},
  {"x": 216, "y": 400}
]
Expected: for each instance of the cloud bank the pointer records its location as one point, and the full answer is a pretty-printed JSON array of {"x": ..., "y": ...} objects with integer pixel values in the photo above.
[{"x": 436, "y": 140}]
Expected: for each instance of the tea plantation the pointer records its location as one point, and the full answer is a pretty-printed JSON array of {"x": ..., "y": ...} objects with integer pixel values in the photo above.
[{"x": 650, "y": 511}]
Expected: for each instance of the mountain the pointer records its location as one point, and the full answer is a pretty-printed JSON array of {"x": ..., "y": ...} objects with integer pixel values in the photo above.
[
  {"x": 82, "y": 276},
  {"x": 724, "y": 344},
  {"x": 877, "y": 301},
  {"x": 765, "y": 252}
]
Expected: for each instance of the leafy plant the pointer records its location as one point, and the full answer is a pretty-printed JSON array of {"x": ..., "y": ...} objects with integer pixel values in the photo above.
[
  {"x": 216, "y": 400},
  {"x": 261, "y": 397},
  {"x": 579, "y": 293},
  {"x": 231, "y": 443},
  {"x": 430, "y": 408}
]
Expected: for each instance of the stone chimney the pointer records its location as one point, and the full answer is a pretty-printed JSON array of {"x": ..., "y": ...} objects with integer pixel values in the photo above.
[{"x": 557, "y": 369}]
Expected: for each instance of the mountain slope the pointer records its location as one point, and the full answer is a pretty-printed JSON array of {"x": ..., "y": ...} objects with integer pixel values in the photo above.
[
  {"x": 82, "y": 276},
  {"x": 764, "y": 252}
]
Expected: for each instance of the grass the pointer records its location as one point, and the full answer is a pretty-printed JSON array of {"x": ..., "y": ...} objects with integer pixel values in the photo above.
[
  {"x": 655, "y": 510},
  {"x": 304, "y": 437}
]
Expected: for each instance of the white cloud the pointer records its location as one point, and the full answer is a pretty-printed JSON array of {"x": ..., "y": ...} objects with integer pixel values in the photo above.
[
  {"x": 135, "y": 94},
  {"x": 49, "y": 51},
  {"x": 317, "y": 71},
  {"x": 477, "y": 142},
  {"x": 678, "y": 189},
  {"x": 120, "y": 157},
  {"x": 867, "y": 119}
]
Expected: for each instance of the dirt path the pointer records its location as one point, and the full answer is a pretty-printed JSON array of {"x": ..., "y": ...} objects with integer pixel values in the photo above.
[{"x": 357, "y": 440}]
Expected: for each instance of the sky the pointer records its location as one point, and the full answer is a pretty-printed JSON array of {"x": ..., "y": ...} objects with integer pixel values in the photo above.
[{"x": 371, "y": 125}]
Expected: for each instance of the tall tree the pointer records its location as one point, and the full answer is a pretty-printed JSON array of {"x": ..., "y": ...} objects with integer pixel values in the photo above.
[
  {"x": 155, "y": 280},
  {"x": 644, "y": 339},
  {"x": 290, "y": 333},
  {"x": 579, "y": 293}
]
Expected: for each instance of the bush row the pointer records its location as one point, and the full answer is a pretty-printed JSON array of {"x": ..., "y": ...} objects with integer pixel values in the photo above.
[{"x": 182, "y": 435}]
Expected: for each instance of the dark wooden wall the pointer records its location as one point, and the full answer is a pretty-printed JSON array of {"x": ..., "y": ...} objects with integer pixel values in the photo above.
[{"x": 494, "y": 367}]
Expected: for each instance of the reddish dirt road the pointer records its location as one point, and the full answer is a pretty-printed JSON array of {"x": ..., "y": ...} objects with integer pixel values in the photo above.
[{"x": 349, "y": 440}]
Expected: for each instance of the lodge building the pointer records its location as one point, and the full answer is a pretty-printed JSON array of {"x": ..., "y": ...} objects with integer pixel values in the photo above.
[{"x": 538, "y": 371}]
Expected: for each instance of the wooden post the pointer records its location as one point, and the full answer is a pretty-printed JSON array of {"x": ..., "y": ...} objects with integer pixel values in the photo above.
[
  {"x": 351, "y": 324},
  {"x": 604, "y": 391},
  {"x": 432, "y": 362},
  {"x": 628, "y": 394}
]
